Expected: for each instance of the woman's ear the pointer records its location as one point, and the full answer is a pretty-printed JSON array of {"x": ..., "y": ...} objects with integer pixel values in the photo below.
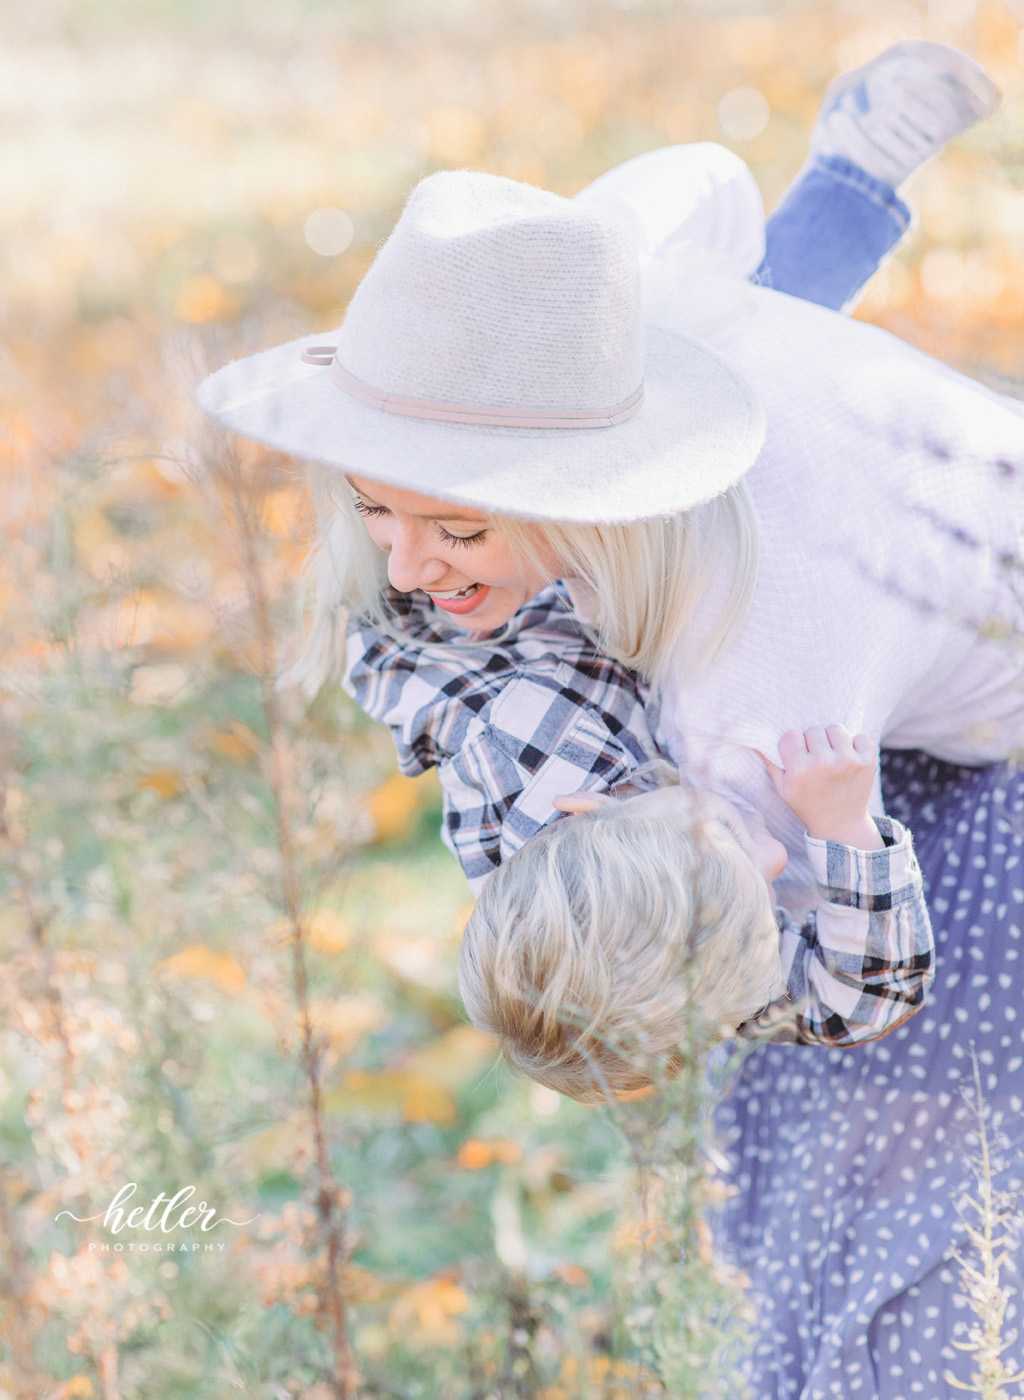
[{"x": 580, "y": 803}]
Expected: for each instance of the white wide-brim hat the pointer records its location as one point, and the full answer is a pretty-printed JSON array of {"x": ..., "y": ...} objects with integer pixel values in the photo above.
[{"x": 494, "y": 356}]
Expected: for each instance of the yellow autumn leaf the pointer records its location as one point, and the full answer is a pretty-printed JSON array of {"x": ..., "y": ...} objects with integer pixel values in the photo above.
[
  {"x": 201, "y": 298},
  {"x": 165, "y": 782},
  {"x": 426, "y": 1102},
  {"x": 77, "y": 1388},
  {"x": 361, "y": 1285},
  {"x": 473, "y": 1154},
  {"x": 199, "y": 961},
  {"x": 426, "y": 1312},
  {"x": 178, "y": 622},
  {"x": 479, "y": 1152},
  {"x": 451, "y": 1059},
  {"x": 453, "y": 1299},
  {"x": 634, "y": 1236},
  {"x": 155, "y": 618},
  {"x": 423, "y": 1088},
  {"x": 394, "y": 807},
  {"x": 283, "y": 511},
  {"x": 239, "y": 743},
  {"x": 417, "y": 1098},
  {"x": 345, "y": 1020},
  {"x": 328, "y": 932}
]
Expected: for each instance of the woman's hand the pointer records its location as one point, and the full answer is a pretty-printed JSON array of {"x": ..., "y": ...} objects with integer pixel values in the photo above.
[{"x": 827, "y": 781}]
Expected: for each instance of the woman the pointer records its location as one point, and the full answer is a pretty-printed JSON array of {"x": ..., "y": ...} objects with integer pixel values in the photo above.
[
  {"x": 574, "y": 441},
  {"x": 495, "y": 364}
]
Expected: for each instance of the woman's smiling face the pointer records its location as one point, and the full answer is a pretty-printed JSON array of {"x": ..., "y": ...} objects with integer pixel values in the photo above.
[{"x": 451, "y": 553}]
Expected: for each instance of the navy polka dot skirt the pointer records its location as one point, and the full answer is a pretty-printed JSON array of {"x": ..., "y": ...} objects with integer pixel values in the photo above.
[{"x": 850, "y": 1164}]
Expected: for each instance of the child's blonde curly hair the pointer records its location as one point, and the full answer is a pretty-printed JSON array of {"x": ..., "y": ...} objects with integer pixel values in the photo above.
[{"x": 609, "y": 939}]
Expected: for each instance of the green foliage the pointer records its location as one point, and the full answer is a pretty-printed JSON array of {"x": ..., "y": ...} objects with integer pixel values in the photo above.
[{"x": 154, "y": 1037}]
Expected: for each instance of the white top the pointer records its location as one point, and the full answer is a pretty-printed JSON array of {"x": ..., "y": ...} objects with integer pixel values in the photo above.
[{"x": 890, "y": 495}]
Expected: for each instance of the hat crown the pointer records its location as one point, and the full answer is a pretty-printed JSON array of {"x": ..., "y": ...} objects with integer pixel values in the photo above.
[{"x": 496, "y": 293}]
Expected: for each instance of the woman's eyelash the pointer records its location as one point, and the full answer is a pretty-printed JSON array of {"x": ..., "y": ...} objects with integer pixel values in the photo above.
[
  {"x": 365, "y": 509},
  {"x": 448, "y": 538}
]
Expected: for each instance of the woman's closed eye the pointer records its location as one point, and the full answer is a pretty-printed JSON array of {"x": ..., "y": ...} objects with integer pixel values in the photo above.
[
  {"x": 367, "y": 511},
  {"x": 364, "y": 509},
  {"x": 448, "y": 538}
]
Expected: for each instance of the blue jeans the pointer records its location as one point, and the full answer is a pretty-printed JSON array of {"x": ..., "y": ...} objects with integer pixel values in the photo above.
[{"x": 832, "y": 230}]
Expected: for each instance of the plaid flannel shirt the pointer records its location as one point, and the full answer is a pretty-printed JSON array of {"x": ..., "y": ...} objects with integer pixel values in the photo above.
[
  {"x": 510, "y": 722},
  {"x": 534, "y": 711},
  {"x": 859, "y": 964}
]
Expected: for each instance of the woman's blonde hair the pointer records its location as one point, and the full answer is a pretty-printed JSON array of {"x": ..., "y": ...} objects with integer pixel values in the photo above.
[
  {"x": 646, "y": 578},
  {"x": 610, "y": 940}
]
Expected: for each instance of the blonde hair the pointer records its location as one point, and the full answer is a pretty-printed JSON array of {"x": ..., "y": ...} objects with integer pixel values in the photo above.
[
  {"x": 607, "y": 940},
  {"x": 647, "y": 578}
]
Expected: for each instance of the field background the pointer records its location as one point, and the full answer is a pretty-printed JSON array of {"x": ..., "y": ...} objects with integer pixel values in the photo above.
[{"x": 228, "y": 929}]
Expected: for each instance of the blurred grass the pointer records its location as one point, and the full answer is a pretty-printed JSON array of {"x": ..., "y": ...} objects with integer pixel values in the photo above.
[{"x": 159, "y": 162}]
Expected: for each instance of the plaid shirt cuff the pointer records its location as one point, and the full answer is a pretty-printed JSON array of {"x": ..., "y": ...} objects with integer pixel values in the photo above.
[
  {"x": 875, "y": 881},
  {"x": 858, "y": 966}
]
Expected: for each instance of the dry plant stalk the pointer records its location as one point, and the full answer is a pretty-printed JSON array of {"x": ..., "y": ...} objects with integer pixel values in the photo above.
[
  {"x": 331, "y": 1200},
  {"x": 991, "y": 1236},
  {"x": 49, "y": 1023},
  {"x": 692, "y": 1313},
  {"x": 15, "y": 1288},
  {"x": 15, "y": 1278}
]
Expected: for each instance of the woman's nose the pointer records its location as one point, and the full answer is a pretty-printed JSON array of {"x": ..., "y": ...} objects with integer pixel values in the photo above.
[{"x": 411, "y": 563}]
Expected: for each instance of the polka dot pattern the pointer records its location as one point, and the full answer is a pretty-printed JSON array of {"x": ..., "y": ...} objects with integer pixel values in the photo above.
[{"x": 849, "y": 1164}]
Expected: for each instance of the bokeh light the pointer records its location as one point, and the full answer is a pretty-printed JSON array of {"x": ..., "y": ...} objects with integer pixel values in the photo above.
[
  {"x": 328, "y": 231},
  {"x": 743, "y": 113}
]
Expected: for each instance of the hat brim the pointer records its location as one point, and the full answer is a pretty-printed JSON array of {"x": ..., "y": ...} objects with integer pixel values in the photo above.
[{"x": 699, "y": 429}]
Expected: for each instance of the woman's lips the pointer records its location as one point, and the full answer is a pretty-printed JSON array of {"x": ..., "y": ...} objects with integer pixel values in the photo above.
[{"x": 464, "y": 605}]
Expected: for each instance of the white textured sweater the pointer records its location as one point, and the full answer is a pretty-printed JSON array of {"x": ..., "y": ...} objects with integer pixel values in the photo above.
[{"x": 890, "y": 596}]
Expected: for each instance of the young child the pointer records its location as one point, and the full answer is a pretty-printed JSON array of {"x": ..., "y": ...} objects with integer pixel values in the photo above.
[{"x": 616, "y": 936}]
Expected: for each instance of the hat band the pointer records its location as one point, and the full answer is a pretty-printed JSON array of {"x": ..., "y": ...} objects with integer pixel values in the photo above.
[{"x": 472, "y": 413}]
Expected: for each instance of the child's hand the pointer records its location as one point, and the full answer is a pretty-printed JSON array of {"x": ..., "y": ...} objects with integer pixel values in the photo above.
[{"x": 827, "y": 782}]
